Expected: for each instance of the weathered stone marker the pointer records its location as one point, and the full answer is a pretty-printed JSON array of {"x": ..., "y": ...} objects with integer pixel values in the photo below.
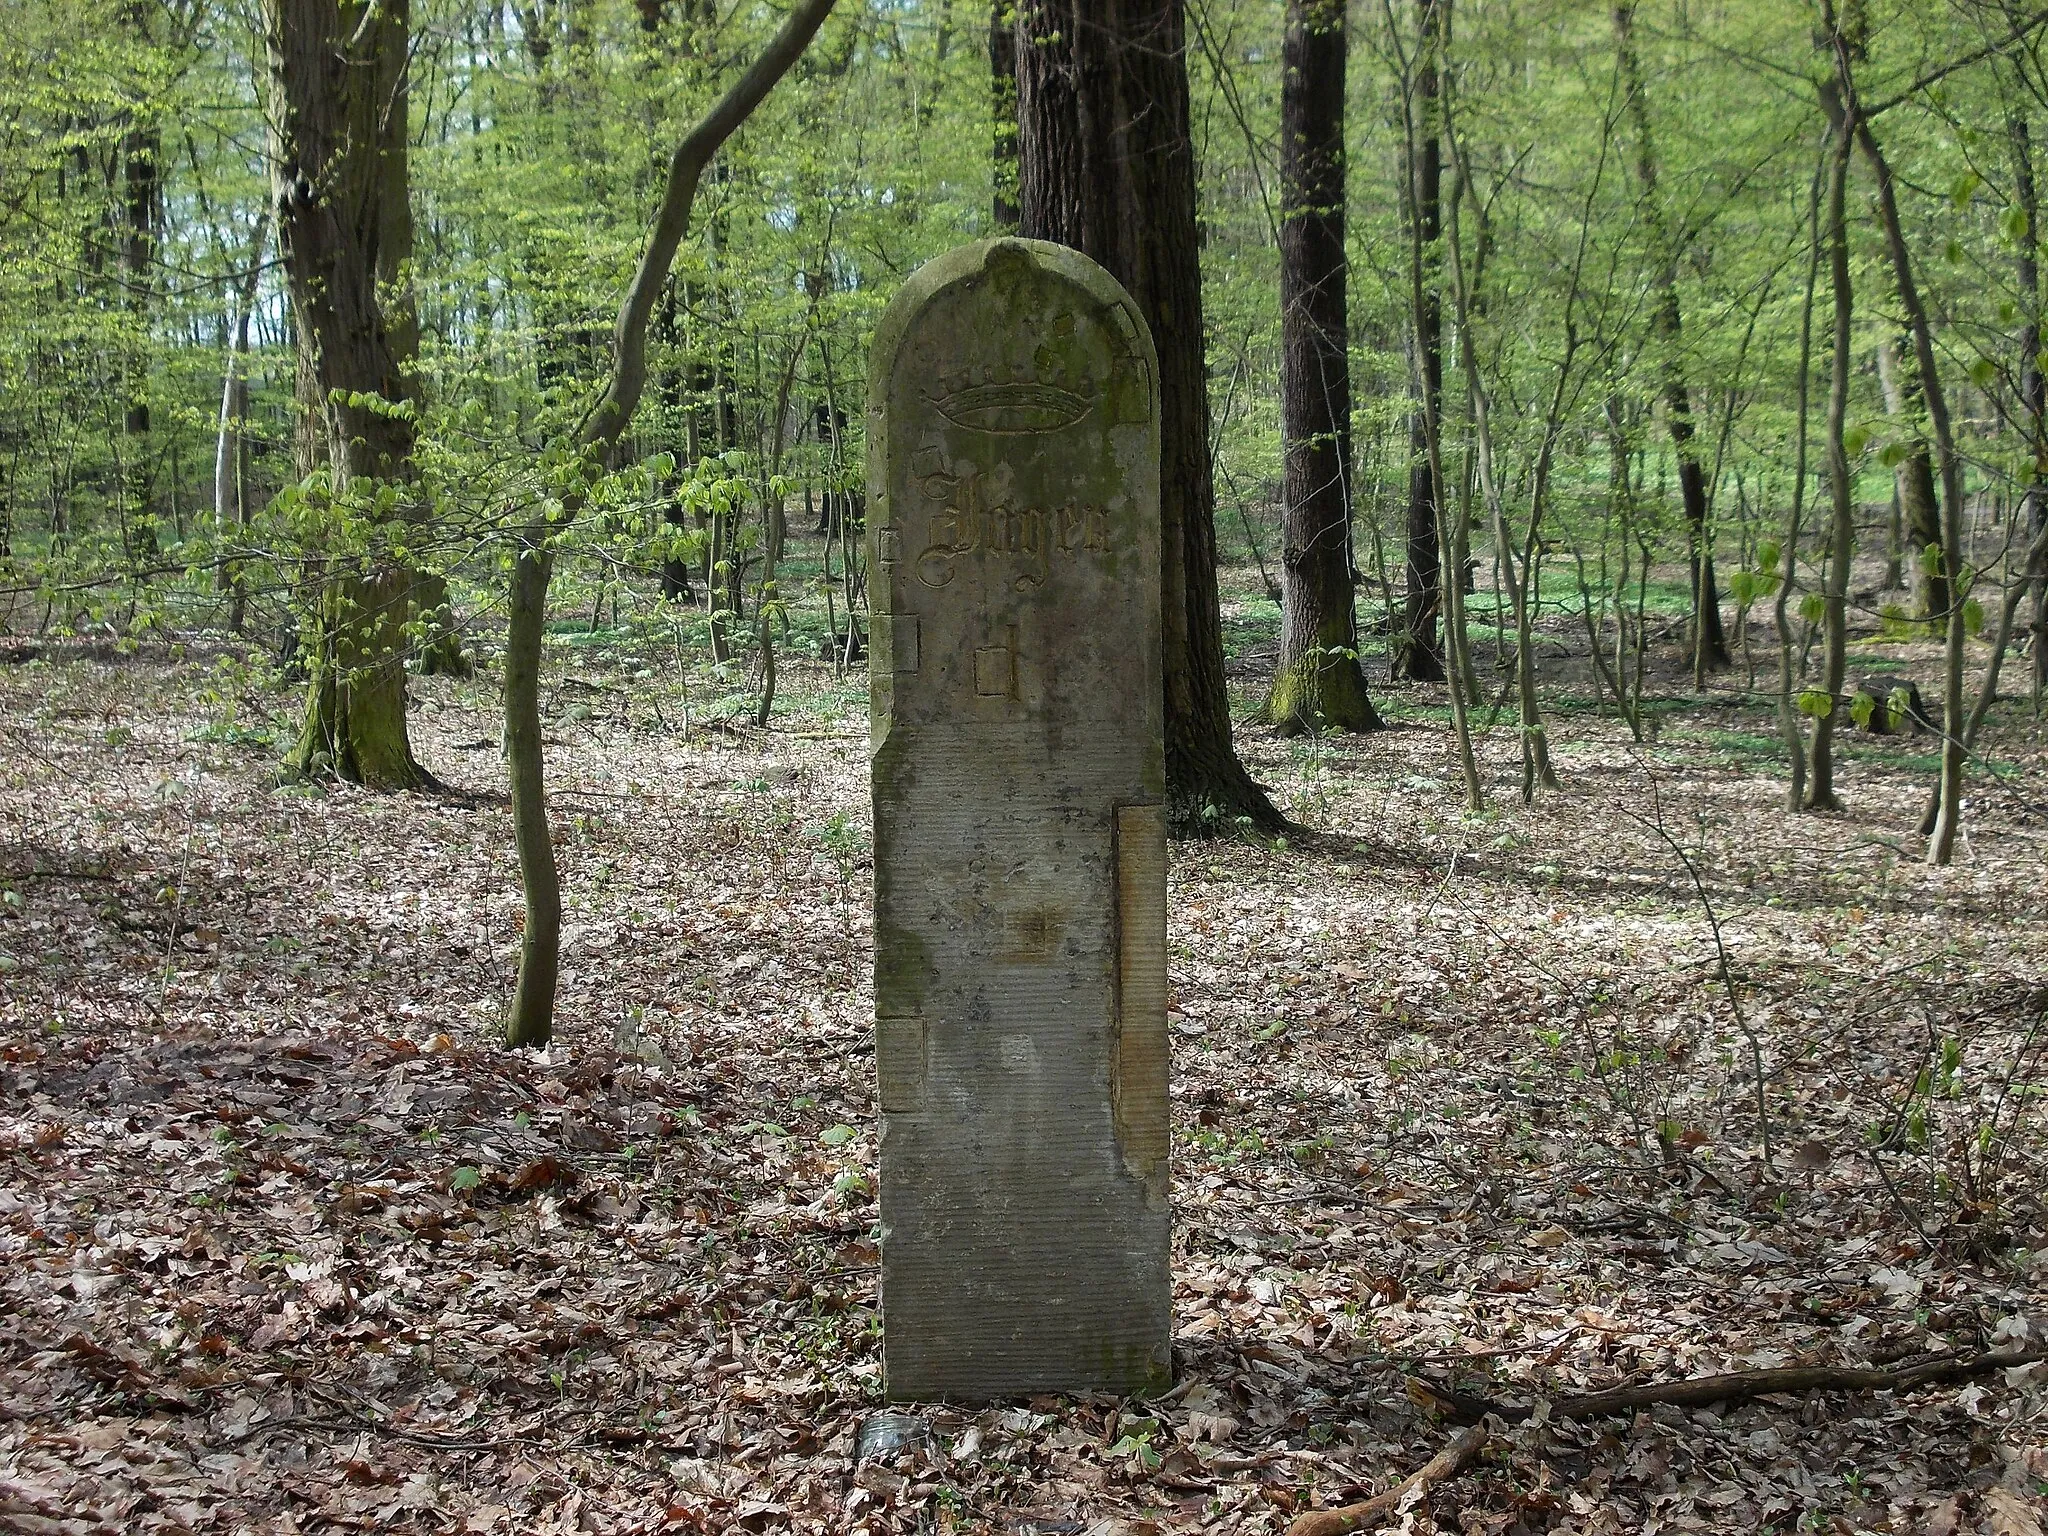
[{"x": 1020, "y": 845}]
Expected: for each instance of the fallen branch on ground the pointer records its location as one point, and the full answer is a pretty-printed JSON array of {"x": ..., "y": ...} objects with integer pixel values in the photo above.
[
  {"x": 1734, "y": 1387},
  {"x": 1447, "y": 1463}
]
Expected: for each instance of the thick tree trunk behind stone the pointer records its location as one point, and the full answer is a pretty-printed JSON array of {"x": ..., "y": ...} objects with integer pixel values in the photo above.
[
  {"x": 1710, "y": 641},
  {"x": 1418, "y": 655},
  {"x": 338, "y": 121},
  {"x": 1318, "y": 683},
  {"x": 1106, "y": 165}
]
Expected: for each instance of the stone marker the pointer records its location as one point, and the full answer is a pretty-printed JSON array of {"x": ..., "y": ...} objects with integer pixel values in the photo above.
[{"x": 1020, "y": 843}]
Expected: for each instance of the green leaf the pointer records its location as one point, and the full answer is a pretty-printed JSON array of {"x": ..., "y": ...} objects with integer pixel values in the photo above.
[
  {"x": 465, "y": 1179},
  {"x": 836, "y": 1135},
  {"x": 1813, "y": 607},
  {"x": 1982, "y": 372},
  {"x": 1862, "y": 706},
  {"x": 2012, "y": 223},
  {"x": 1855, "y": 440},
  {"x": 1816, "y": 703},
  {"x": 1973, "y": 616}
]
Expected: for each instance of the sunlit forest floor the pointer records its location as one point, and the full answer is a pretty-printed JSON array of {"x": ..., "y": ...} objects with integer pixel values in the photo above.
[{"x": 287, "y": 1244}]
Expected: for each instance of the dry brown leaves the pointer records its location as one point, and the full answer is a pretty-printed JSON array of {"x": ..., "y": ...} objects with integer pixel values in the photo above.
[{"x": 286, "y": 1244}]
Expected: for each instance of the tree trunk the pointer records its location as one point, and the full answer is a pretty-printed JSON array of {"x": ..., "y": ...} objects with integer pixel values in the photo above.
[
  {"x": 532, "y": 1019},
  {"x": 533, "y": 1002},
  {"x": 141, "y": 148},
  {"x": 230, "y": 467},
  {"x": 1788, "y": 559},
  {"x": 1913, "y": 484},
  {"x": 1820, "y": 770},
  {"x": 339, "y": 136},
  {"x": 2033, "y": 387},
  {"x": 1318, "y": 683},
  {"x": 1710, "y": 642},
  {"x": 1106, "y": 166},
  {"x": 1948, "y": 807},
  {"x": 1418, "y": 655}
]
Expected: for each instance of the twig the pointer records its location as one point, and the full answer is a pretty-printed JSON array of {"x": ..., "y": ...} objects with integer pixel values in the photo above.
[
  {"x": 1446, "y": 1464},
  {"x": 1733, "y": 1387}
]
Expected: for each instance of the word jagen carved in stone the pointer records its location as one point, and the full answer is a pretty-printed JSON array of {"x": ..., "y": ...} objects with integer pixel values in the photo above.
[{"x": 965, "y": 524}]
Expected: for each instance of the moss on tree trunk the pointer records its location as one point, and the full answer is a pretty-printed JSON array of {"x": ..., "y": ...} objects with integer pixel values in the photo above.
[{"x": 355, "y": 725}]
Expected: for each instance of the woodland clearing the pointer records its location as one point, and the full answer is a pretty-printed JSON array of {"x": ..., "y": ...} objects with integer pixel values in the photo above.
[{"x": 291, "y": 1244}]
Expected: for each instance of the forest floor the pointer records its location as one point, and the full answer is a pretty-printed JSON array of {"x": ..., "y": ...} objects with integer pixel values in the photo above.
[{"x": 286, "y": 1244}]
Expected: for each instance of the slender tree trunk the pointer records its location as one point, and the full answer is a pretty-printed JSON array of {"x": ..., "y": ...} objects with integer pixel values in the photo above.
[
  {"x": 1318, "y": 683},
  {"x": 1954, "y": 705},
  {"x": 1417, "y": 653},
  {"x": 339, "y": 139},
  {"x": 1455, "y": 538},
  {"x": 1710, "y": 643},
  {"x": 533, "y": 1001},
  {"x": 2033, "y": 389},
  {"x": 532, "y": 1019},
  {"x": 1919, "y": 509},
  {"x": 1519, "y": 580},
  {"x": 2008, "y": 610},
  {"x": 1621, "y": 509},
  {"x": 1002, "y": 82},
  {"x": 1820, "y": 773},
  {"x": 1788, "y": 559},
  {"x": 1106, "y": 166},
  {"x": 230, "y": 492},
  {"x": 141, "y": 149}
]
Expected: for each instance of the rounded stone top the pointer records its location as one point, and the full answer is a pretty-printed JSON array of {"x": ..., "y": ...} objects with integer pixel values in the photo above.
[{"x": 966, "y": 263}]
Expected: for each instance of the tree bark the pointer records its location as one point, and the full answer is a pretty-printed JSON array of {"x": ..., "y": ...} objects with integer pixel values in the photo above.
[
  {"x": 1788, "y": 559},
  {"x": 1954, "y": 706},
  {"x": 1710, "y": 642},
  {"x": 1418, "y": 655},
  {"x": 2033, "y": 387},
  {"x": 1820, "y": 770},
  {"x": 141, "y": 148},
  {"x": 1106, "y": 166},
  {"x": 338, "y": 123},
  {"x": 531, "y": 1021},
  {"x": 1318, "y": 683}
]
